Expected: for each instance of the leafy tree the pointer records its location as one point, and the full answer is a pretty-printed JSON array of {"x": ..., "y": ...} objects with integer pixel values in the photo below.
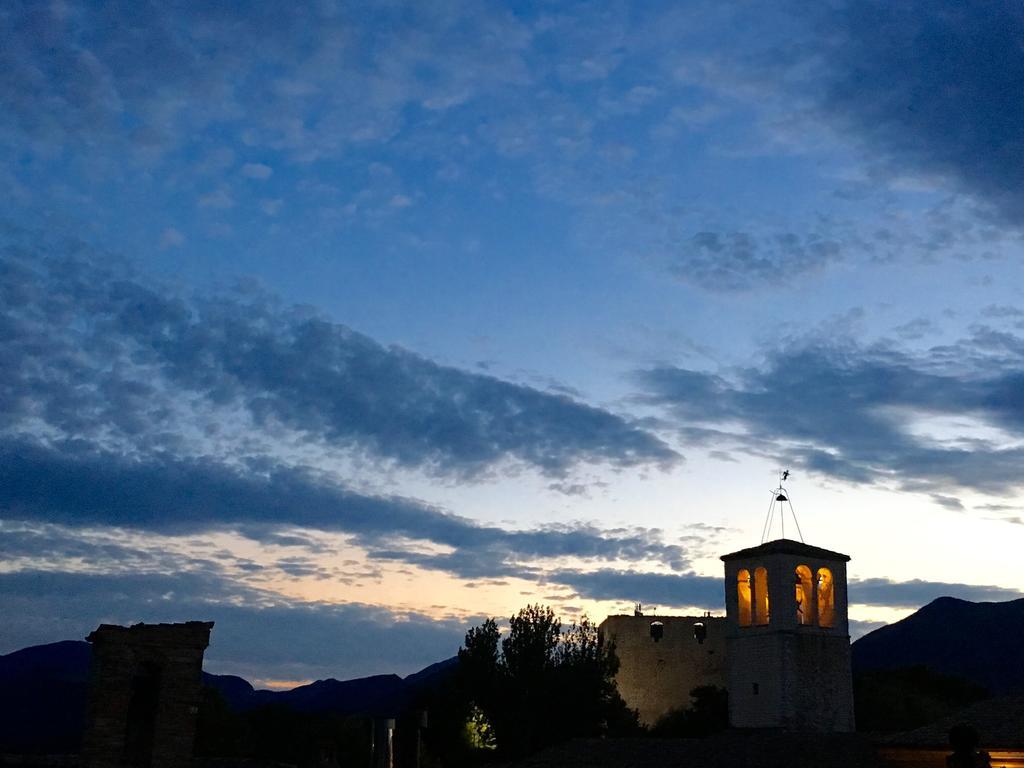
[
  {"x": 708, "y": 713},
  {"x": 904, "y": 698},
  {"x": 479, "y": 732},
  {"x": 457, "y": 733},
  {"x": 540, "y": 685},
  {"x": 479, "y": 665}
]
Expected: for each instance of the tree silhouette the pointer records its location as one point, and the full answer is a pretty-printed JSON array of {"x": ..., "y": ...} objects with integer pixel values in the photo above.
[
  {"x": 708, "y": 713},
  {"x": 539, "y": 685}
]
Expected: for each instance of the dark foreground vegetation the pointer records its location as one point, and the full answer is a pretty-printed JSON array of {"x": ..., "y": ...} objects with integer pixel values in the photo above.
[
  {"x": 506, "y": 695},
  {"x": 901, "y": 699},
  {"x": 513, "y": 696},
  {"x": 539, "y": 685}
]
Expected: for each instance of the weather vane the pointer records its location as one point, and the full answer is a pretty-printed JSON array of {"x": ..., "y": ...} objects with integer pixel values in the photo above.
[{"x": 780, "y": 496}]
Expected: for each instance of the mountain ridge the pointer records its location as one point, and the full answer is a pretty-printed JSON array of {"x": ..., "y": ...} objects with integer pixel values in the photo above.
[
  {"x": 44, "y": 691},
  {"x": 44, "y": 688},
  {"x": 979, "y": 642}
]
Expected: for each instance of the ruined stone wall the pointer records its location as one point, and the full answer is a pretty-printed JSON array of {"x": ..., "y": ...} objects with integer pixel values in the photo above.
[
  {"x": 145, "y": 689},
  {"x": 656, "y": 676}
]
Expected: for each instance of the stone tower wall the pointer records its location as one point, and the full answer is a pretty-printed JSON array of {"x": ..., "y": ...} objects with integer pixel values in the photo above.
[
  {"x": 657, "y": 676},
  {"x": 785, "y": 674},
  {"x": 803, "y": 682}
]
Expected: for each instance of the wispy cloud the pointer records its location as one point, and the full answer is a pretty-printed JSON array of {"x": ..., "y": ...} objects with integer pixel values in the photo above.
[
  {"x": 707, "y": 592},
  {"x": 257, "y": 171},
  {"x": 256, "y": 633},
  {"x": 936, "y": 421},
  {"x": 92, "y": 351},
  {"x": 907, "y": 79},
  {"x": 72, "y": 484},
  {"x": 739, "y": 260},
  {"x": 153, "y": 80},
  {"x": 657, "y": 589},
  {"x": 916, "y": 593},
  {"x": 457, "y": 92}
]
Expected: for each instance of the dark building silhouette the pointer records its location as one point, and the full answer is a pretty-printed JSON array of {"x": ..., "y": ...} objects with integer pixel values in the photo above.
[{"x": 145, "y": 689}]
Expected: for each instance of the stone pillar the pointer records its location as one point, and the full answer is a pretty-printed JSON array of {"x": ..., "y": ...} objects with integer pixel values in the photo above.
[
  {"x": 384, "y": 742},
  {"x": 421, "y": 723},
  {"x": 144, "y": 695}
]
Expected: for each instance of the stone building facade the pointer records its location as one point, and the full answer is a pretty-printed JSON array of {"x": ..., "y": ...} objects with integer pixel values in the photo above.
[
  {"x": 782, "y": 650},
  {"x": 662, "y": 658},
  {"x": 788, "y": 638},
  {"x": 144, "y": 695}
]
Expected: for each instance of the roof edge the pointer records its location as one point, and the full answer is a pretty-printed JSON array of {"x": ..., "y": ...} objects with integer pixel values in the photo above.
[{"x": 786, "y": 547}]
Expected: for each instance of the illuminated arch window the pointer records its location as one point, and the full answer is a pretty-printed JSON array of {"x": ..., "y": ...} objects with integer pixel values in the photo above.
[
  {"x": 826, "y": 598},
  {"x": 761, "y": 610},
  {"x": 743, "y": 594},
  {"x": 804, "y": 596}
]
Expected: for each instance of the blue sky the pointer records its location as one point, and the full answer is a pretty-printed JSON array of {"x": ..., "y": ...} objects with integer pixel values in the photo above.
[{"x": 361, "y": 322}]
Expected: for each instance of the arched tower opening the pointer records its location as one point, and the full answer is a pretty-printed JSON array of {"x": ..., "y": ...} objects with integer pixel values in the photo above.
[
  {"x": 762, "y": 609},
  {"x": 745, "y": 606},
  {"x": 826, "y": 598},
  {"x": 804, "y": 596}
]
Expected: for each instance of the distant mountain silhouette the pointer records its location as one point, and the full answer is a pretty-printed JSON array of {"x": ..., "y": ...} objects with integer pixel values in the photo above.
[
  {"x": 67, "y": 660},
  {"x": 43, "y": 692},
  {"x": 430, "y": 676},
  {"x": 375, "y": 695},
  {"x": 237, "y": 691},
  {"x": 979, "y": 642},
  {"x": 42, "y": 697},
  {"x": 370, "y": 695}
]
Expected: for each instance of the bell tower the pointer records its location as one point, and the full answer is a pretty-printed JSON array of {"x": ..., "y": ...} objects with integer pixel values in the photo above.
[{"x": 787, "y": 634}]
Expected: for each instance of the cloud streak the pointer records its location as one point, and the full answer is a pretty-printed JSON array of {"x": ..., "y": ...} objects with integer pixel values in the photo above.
[
  {"x": 908, "y": 79},
  {"x": 149, "y": 76},
  {"x": 128, "y": 407},
  {"x": 91, "y": 350},
  {"x": 257, "y": 635},
  {"x": 916, "y": 593},
  {"x": 658, "y": 589},
  {"x": 936, "y": 421},
  {"x": 72, "y": 484},
  {"x": 733, "y": 261},
  {"x": 708, "y": 592}
]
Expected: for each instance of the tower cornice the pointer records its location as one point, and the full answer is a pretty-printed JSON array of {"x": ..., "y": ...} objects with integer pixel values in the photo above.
[{"x": 786, "y": 547}]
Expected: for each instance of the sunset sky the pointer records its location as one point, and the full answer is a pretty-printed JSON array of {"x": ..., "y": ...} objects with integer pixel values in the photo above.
[{"x": 346, "y": 325}]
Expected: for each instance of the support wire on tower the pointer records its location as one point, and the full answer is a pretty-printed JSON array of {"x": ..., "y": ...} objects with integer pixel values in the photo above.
[{"x": 780, "y": 497}]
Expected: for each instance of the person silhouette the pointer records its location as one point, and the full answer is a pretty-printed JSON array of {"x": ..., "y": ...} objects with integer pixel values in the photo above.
[{"x": 964, "y": 741}]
